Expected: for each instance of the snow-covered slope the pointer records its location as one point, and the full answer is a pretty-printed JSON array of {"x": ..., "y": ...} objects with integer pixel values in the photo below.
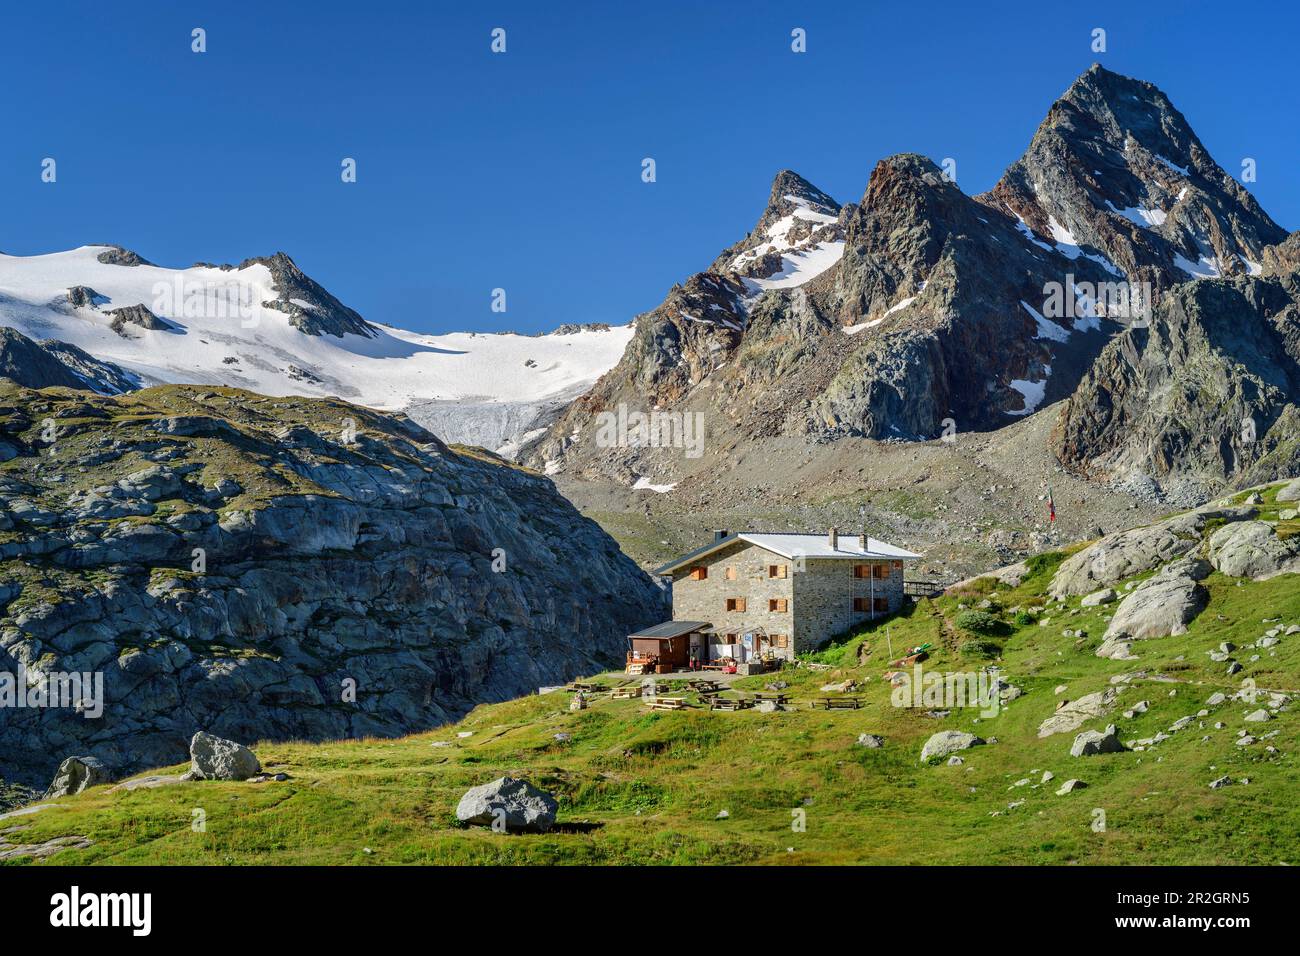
[{"x": 265, "y": 327}]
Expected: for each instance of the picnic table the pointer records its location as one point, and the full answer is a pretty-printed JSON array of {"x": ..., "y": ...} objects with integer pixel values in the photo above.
[
  {"x": 837, "y": 703},
  {"x": 776, "y": 698},
  {"x": 729, "y": 703},
  {"x": 626, "y": 693},
  {"x": 667, "y": 703},
  {"x": 704, "y": 686},
  {"x": 580, "y": 686}
]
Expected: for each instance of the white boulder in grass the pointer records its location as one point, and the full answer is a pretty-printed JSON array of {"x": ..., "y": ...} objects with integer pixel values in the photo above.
[
  {"x": 1097, "y": 742},
  {"x": 215, "y": 758},
  {"x": 1291, "y": 491},
  {"x": 508, "y": 804},
  {"x": 947, "y": 742}
]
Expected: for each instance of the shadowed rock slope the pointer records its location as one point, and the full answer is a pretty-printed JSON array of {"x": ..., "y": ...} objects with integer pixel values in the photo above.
[{"x": 236, "y": 563}]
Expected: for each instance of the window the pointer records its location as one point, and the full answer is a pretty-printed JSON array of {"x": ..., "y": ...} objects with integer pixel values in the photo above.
[
  {"x": 882, "y": 604},
  {"x": 780, "y": 640},
  {"x": 730, "y": 574},
  {"x": 879, "y": 571},
  {"x": 779, "y": 605},
  {"x": 699, "y": 573},
  {"x": 776, "y": 570},
  {"x": 735, "y": 604},
  {"x": 861, "y": 604}
]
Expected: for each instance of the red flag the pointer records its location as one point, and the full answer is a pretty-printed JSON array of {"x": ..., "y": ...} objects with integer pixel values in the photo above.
[{"x": 1051, "y": 505}]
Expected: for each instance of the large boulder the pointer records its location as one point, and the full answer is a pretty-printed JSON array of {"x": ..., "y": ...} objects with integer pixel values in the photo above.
[
  {"x": 1011, "y": 575},
  {"x": 1075, "y": 713},
  {"x": 1097, "y": 742},
  {"x": 75, "y": 774},
  {"x": 514, "y": 804},
  {"x": 1161, "y": 606},
  {"x": 1252, "y": 549},
  {"x": 215, "y": 758},
  {"x": 1290, "y": 491},
  {"x": 947, "y": 742},
  {"x": 1097, "y": 598}
]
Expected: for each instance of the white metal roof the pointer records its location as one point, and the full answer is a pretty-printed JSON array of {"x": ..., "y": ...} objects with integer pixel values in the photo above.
[
  {"x": 819, "y": 546},
  {"x": 793, "y": 545}
]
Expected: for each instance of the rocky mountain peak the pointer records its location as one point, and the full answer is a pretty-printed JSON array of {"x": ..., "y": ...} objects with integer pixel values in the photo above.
[
  {"x": 310, "y": 307},
  {"x": 798, "y": 236},
  {"x": 791, "y": 191},
  {"x": 1115, "y": 173},
  {"x": 1117, "y": 108}
]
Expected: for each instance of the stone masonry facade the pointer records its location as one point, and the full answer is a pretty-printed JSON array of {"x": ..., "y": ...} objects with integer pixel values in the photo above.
[{"x": 798, "y": 605}]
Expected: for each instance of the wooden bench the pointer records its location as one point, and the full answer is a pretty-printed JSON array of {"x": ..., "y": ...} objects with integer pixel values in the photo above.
[
  {"x": 775, "y": 698},
  {"x": 837, "y": 703},
  {"x": 667, "y": 703},
  {"x": 626, "y": 693}
]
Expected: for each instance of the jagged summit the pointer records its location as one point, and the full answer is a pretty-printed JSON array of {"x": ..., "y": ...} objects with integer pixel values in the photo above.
[
  {"x": 1120, "y": 106},
  {"x": 798, "y": 237},
  {"x": 943, "y": 307},
  {"x": 789, "y": 187},
  {"x": 1116, "y": 172}
]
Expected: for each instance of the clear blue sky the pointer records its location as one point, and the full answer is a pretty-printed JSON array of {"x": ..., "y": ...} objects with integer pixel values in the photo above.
[{"x": 522, "y": 170}]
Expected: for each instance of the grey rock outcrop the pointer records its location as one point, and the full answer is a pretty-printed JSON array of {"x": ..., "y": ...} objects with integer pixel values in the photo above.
[
  {"x": 118, "y": 256},
  {"x": 138, "y": 315},
  {"x": 1252, "y": 549},
  {"x": 75, "y": 774},
  {"x": 514, "y": 805},
  {"x": 1161, "y": 606},
  {"x": 1075, "y": 713},
  {"x": 230, "y": 563},
  {"x": 56, "y": 364},
  {"x": 310, "y": 307},
  {"x": 1137, "y": 550}
]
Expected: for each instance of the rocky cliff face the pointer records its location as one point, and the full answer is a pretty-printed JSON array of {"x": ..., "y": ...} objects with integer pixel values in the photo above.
[
  {"x": 1202, "y": 399},
  {"x": 280, "y": 568},
  {"x": 57, "y": 364}
]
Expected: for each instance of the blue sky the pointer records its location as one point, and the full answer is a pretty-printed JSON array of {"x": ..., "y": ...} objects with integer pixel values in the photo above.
[{"x": 522, "y": 170}]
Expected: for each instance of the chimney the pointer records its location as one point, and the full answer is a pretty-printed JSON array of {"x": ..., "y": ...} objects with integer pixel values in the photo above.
[
  {"x": 863, "y": 541},
  {"x": 720, "y": 533},
  {"x": 833, "y": 539}
]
